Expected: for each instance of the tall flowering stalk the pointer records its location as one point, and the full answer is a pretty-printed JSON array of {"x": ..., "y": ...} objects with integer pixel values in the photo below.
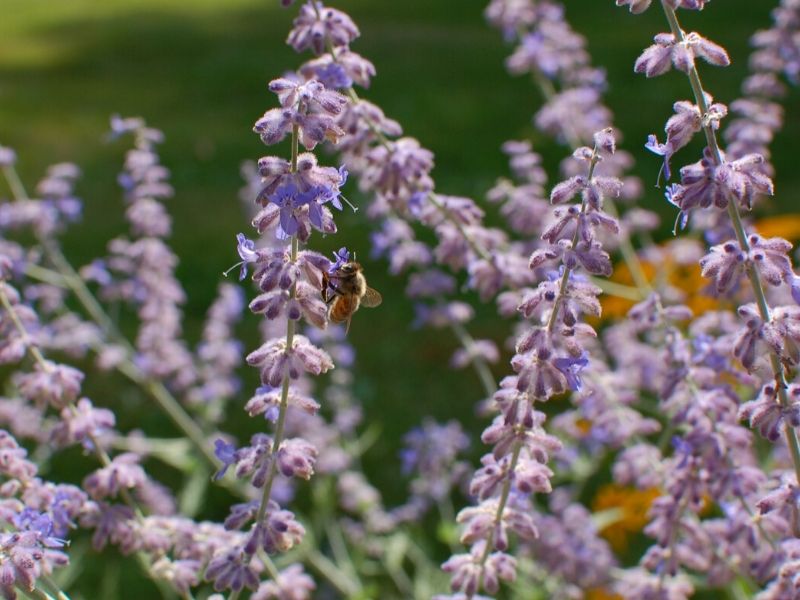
[
  {"x": 295, "y": 198},
  {"x": 140, "y": 270},
  {"x": 548, "y": 361},
  {"x": 732, "y": 184}
]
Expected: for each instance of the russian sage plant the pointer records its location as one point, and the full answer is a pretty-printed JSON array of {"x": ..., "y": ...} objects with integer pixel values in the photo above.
[{"x": 639, "y": 388}]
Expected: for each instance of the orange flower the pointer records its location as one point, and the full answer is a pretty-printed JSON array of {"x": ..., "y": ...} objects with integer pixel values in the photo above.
[
  {"x": 785, "y": 226},
  {"x": 601, "y": 594},
  {"x": 687, "y": 278},
  {"x": 633, "y": 505}
]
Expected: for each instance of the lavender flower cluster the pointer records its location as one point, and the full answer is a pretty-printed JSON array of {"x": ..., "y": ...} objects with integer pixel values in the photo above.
[{"x": 641, "y": 442}]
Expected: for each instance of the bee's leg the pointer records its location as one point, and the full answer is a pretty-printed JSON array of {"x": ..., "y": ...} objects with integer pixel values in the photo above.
[{"x": 336, "y": 292}]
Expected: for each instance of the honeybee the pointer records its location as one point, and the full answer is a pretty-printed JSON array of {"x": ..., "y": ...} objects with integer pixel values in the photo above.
[{"x": 345, "y": 290}]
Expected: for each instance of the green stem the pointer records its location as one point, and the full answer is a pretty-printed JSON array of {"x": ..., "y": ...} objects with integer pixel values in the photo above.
[
  {"x": 620, "y": 290},
  {"x": 338, "y": 546},
  {"x": 326, "y": 568},
  {"x": 562, "y": 287},
  {"x": 284, "y": 406},
  {"x": 15, "y": 183},
  {"x": 272, "y": 570},
  {"x": 54, "y": 587},
  {"x": 478, "y": 362},
  {"x": 290, "y": 331},
  {"x": 501, "y": 506},
  {"x": 35, "y": 593},
  {"x": 323, "y": 565},
  {"x": 170, "y": 405}
]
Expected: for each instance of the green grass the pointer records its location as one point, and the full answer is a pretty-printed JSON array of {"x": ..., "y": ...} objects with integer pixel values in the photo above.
[{"x": 198, "y": 70}]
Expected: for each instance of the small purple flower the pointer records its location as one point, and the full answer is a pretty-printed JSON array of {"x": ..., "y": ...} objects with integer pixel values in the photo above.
[
  {"x": 66, "y": 505},
  {"x": 122, "y": 473},
  {"x": 469, "y": 571},
  {"x": 296, "y": 458},
  {"x": 7, "y": 157},
  {"x": 671, "y": 193},
  {"x": 682, "y": 448},
  {"x": 669, "y": 51},
  {"x": 291, "y": 584},
  {"x": 301, "y": 203},
  {"x": 571, "y": 367},
  {"x": 417, "y": 202},
  {"x": 267, "y": 400},
  {"x": 276, "y": 362},
  {"x": 278, "y": 532},
  {"x": 767, "y": 415},
  {"x": 226, "y": 453},
  {"x": 341, "y": 256},
  {"x": 660, "y": 149},
  {"x": 334, "y": 76},
  {"x": 51, "y": 383},
  {"x": 332, "y": 194},
  {"x": 241, "y": 514},
  {"x": 307, "y": 107},
  {"x": 41, "y": 524},
  {"x": 635, "y": 6},
  {"x": 341, "y": 70},
  {"x": 255, "y": 460},
  {"x": 232, "y": 568},
  {"x": 312, "y": 31},
  {"x": 707, "y": 184},
  {"x": 725, "y": 263},
  {"x": 82, "y": 424},
  {"x": 286, "y": 198},
  {"x": 787, "y": 494},
  {"x": 247, "y": 252}
]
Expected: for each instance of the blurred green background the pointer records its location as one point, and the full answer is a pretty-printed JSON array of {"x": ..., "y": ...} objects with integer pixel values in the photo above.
[{"x": 198, "y": 70}]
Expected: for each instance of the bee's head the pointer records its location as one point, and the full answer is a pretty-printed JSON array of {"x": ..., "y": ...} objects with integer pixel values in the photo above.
[{"x": 349, "y": 268}]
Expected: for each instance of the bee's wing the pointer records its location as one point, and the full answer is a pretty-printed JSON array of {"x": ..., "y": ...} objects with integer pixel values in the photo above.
[{"x": 372, "y": 298}]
